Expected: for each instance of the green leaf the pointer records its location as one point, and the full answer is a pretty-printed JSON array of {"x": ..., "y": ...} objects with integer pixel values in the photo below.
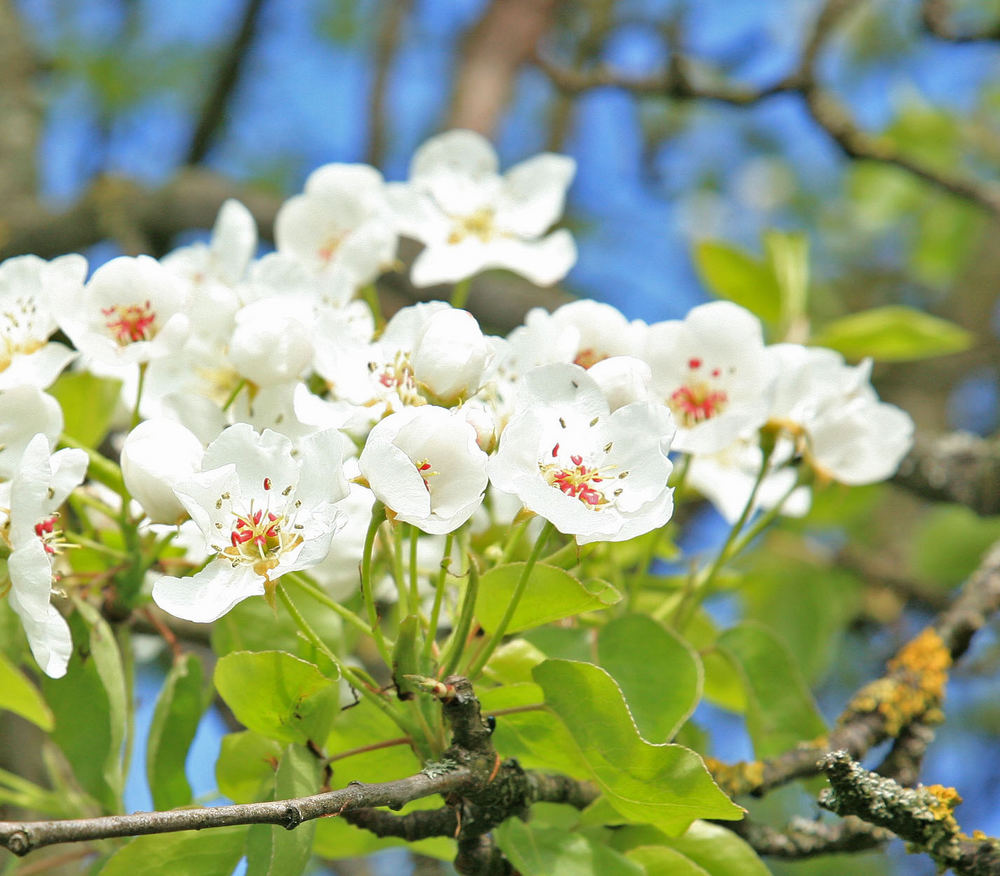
[
  {"x": 88, "y": 403},
  {"x": 659, "y": 674},
  {"x": 91, "y": 695},
  {"x": 664, "y": 861},
  {"x": 537, "y": 850},
  {"x": 245, "y": 769},
  {"x": 552, "y": 594},
  {"x": 949, "y": 543},
  {"x": 539, "y": 740},
  {"x": 780, "y": 710},
  {"x": 271, "y": 849},
  {"x": 893, "y": 334},
  {"x": 20, "y": 696},
  {"x": 178, "y": 710},
  {"x": 189, "y": 853},
  {"x": 715, "y": 849},
  {"x": 731, "y": 273},
  {"x": 788, "y": 258},
  {"x": 513, "y": 661},
  {"x": 664, "y": 785},
  {"x": 278, "y": 695}
]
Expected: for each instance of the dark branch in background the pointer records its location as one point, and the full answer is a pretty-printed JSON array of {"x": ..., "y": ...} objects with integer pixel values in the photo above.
[
  {"x": 804, "y": 838},
  {"x": 493, "y": 53},
  {"x": 227, "y": 77},
  {"x": 391, "y": 17},
  {"x": 958, "y": 467},
  {"x": 921, "y": 816},
  {"x": 936, "y": 18},
  {"x": 910, "y": 692},
  {"x": 680, "y": 82},
  {"x": 20, "y": 109}
]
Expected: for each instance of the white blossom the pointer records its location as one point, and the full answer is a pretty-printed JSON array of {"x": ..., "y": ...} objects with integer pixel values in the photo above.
[
  {"x": 424, "y": 464},
  {"x": 156, "y": 455},
  {"x": 41, "y": 484},
  {"x": 24, "y": 412},
  {"x": 470, "y": 218},
  {"x": 27, "y": 321},
  {"x": 595, "y": 474},
  {"x": 263, "y": 513}
]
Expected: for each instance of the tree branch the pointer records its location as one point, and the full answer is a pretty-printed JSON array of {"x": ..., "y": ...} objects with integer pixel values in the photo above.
[
  {"x": 804, "y": 838},
  {"x": 921, "y": 816},
  {"x": 391, "y": 18},
  {"x": 934, "y": 15},
  {"x": 227, "y": 76},
  {"x": 910, "y": 692},
  {"x": 958, "y": 467},
  {"x": 679, "y": 82},
  {"x": 19, "y": 108}
]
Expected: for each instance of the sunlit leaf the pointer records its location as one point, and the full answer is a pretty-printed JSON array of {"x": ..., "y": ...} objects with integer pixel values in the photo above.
[
  {"x": 20, "y": 696},
  {"x": 892, "y": 334}
]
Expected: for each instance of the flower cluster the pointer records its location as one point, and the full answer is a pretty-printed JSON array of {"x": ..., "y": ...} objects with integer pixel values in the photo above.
[{"x": 274, "y": 410}]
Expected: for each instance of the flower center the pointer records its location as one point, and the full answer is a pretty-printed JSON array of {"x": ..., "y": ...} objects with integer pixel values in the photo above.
[
  {"x": 588, "y": 357},
  {"x": 579, "y": 481},
  {"x": 425, "y": 471},
  {"x": 129, "y": 323},
  {"x": 18, "y": 332},
  {"x": 697, "y": 400},
  {"x": 50, "y": 536},
  {"x": 330, "y": 246},
  {"x": 397, "y": 376},
  {"x": 478, "y": 224},
  {"x": 259, "y": 538}
]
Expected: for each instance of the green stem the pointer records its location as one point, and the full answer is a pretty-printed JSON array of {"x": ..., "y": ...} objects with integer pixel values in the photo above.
[
  {"x": 460, "y": 294},
  {"x": 414, "y": 591},
  {"x": 438, "y": 598},
  {"x": 515, "y": 599},
  {"x": 456, "y": 644},
  {"x": 82, "y": 541},
  {"x": 679, "y": 475},
  {"x": 316, "y": 592},
  {"x": 513, "y": 539},
  {"x": 232, "y": 396},
  {"x": 370, "y": 295},
  {"x": 767, "y": 518},
  {"x": 345, "y": 671},
  {"x": 138, "y": 393},
  {"x": 398, "y": 573},
  {"x": 703, "y": 582},
  {"x": 99, "y": 467},
  {"x": 378, "y": 515}
]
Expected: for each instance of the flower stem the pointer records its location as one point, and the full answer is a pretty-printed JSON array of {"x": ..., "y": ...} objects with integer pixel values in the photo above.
[
  {"x": 515, "y": 599},
  {"x": 456, "y": 644},
  {"x": 460, "y": 294},
  {"x": 316, "y": 592},
  {"x": 345, "y": 671},
  {"x": 370, "y": 294},
  {"x": 138, "y": 393},
  {"x": 438, "y": 598},
  {"x": 700, "y": 588},
  {"x": 378, "y": 516},
  {"x": 232, "y": 396},
  {"x": 414, "y": 594}
]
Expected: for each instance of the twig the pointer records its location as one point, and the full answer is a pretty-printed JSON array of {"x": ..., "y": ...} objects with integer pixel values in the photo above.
[
  {"x": 803, "y": 838},
  {"x": 213, "y": 112},
  {"x": 957, "y": 467},
  {"x": 935, "y": 17},
  {"x": 391, "y": 17},
  {"x": 922, "y": 816}
]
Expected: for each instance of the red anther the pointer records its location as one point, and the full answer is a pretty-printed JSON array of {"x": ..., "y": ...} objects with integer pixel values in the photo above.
[
  {"x": 555, "y": 450},
  {"x": 715, "y": 372},
  {"x": 271, "y": 516},
  {"x": 694, "y": 363},
  {"x": 576, "y": 459},
  {"x": 238, "y": 538},
  {"x": 423, "y": 466},
  {"x": 267, "y": 483},
  {"x": 387, "y": 380}
]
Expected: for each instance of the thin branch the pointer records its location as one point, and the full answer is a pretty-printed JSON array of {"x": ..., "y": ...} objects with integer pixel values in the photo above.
[
  {"x": 911, "y": 691},
  {"x": 23, "y": 837},
  {"x": 922, "y": 816},
  {"x": 679, "y": 82},
  {"x": 958, "y": 467},
  {"x": 227, "y": 77},
  {"x": 19, "y": 107},
  {"x": 391, "y": 18},
  {"x": 804, "y": 838},
  {"x": 936, "y": 18}
]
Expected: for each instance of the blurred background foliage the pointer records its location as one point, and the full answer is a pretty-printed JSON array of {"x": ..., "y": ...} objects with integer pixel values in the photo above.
[{"x": 674, "y": 200}]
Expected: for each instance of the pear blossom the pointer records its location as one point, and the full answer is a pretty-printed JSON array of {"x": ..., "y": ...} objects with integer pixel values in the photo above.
[
  {"x": 156, "y": 455},
  {"x": 424, "y": 464},
  {"x": 263, "y": 513},
  {"x": 24, "y": 412},
  {"x": 27, "y": 320},
  {"x": 341, "y": 223},
  {"x": 711, "y": 370},
  {"x": 844, "y": 432},
  {"x": 623, "y": 380},
  {"x": 471, "y": 218},
  {"x": 271, "y": 341},
  {"x": 41, "y": 484},
  {"x": 131, "y": 310},
  {"x": 596, "y": 474}
]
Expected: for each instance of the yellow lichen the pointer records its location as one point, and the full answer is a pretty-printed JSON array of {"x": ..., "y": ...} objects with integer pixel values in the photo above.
[
  {"x": 946, "y": 800},
  {"x": 743, "y": 777}
]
